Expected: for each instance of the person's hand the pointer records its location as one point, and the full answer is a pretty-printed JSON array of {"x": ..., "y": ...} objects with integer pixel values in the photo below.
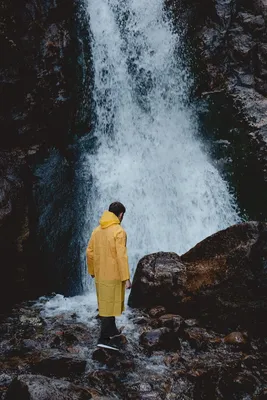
[{"x": 128, "y": 284}]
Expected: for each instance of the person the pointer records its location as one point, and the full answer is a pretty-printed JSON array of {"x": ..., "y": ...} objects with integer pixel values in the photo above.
[{"x": 107, "y": 261}]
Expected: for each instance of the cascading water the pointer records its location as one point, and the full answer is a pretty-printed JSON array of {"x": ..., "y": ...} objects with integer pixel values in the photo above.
[{"x": 148, "y": 155}]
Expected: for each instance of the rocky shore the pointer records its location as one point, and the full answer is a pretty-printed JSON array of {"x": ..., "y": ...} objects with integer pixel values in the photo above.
[{"x": 195, "y": 330}]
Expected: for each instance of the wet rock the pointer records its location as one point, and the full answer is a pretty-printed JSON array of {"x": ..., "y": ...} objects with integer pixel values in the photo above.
[
  {"x": 251, "y": 23},
  {"x": 199, "y": 338},
  {"x": 221, "y": 281},
  {"x": 29, "y": 346},
  {"x": 101, "y": 379},
  {"x": 114, "y": 359},
  {"x": 159, "y": 278},
  {"x": 5, "y": 381},
  {"x": 172, "y": 360},
  {"x": 65, "y": 336},
  {"x": 236, "y": 338},
  {"x": 172, "y": 321},
  {"x": 242, "y": 46},
  {"x": 36, "y": 387},
  {"x": 141, "y": 321},
  {"x": 224, "y": 38},
  {"x": 156, "y": 312},
  {"x": 191, "y": 322},
  {"x": 238, "y": 384},
  {"x": 42, "y": 79},
  {"x": 59, "y": 365},
  {"x": 160, "y": 339},
  {"x": 142, "y": 390}
]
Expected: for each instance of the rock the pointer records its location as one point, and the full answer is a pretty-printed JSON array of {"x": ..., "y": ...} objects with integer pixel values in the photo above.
[
  {"x": 5, "y": 381},
  {"x": 43, "y": 79},
  {"x": 28, "y": 387},
  {"x": 222, "y": 279},
  {"x": 141, "y": 321},
  {"x": 113, "y": 359},
  {"x": 223, "y": 39},
  {"x": 251, "y": 22},
  {"x": 157, "y": 311},
  {"x": 261, "y": 60},
  {"x": 199, "y": 338},
  {"x": 191, "y": 322},
  {"x": 172, "y": 360},
  {"x": 29, "y": 346},
  {"x": 159, "y": 278},
  {"x": 172, "y": 321},
  {"x": 160, "y": 339},
  {"x": 67, "y": 336},
  {"x": 104, "y": 378},
  {"x": 59, "y": 365},
  {"x": 236, "y": 384},
  {"x": 236, "y": 338},
  {"x": 241, "y": 46}
]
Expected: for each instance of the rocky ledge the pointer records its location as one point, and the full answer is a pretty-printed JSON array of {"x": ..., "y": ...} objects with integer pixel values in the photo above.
[{"x": 197, "y": 332}]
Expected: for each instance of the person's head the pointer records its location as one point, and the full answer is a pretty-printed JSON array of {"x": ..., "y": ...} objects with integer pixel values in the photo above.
[{"x": 118, "y": 209}]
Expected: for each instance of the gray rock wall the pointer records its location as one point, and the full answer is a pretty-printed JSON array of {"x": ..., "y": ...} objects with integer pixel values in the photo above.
[
  {"x": 226, "y": 46},
  {"x": 45, "y": 85}
]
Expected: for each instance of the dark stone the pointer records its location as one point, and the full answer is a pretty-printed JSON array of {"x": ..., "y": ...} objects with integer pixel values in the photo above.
[
  {"x": 59, "y": 365},
  {"x": 223, "y": 49},
  {"x": 157, "y": 311},
  {"x": 199, "y": 338},
  {"x": 103, "y": 378},
  {"x": 236, "y": 338},
  {"x": 159, "y": 279},
  {"x": 44, "y": 82},
  {"x": 172, "y": 321},
  {"x": 191, "y": 322},
  {"x": 222, "y": 280},
  {"x": 172, "y": 360},
  {"x": 114, "y": 359},
  {"x": 238, "y": 384},
  {"x": 28, "y": 387},
  {"x": 160, "y": 339},
  {"x": 141, "y": 321}
]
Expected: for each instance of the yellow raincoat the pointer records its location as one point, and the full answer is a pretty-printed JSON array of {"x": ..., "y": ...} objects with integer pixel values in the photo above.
[{"x": 107, "y": 260}]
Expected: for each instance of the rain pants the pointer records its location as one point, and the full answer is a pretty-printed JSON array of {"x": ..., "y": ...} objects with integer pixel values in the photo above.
[{"x": 107, "y": 260}]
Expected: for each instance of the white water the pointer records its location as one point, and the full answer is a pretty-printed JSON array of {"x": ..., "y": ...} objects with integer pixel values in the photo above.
[{"x": 149, "y": 155}]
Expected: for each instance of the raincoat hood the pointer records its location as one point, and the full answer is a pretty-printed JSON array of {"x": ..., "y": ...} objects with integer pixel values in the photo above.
[{"x": 108, "y": 219}]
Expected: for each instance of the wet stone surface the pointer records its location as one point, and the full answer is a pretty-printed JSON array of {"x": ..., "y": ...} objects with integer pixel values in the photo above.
[{"x": 57, "y": 358}]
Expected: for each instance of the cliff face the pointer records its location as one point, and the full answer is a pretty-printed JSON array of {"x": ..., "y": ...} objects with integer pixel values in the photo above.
[
  {"x": 227, "y": 46},
  {"x": 44, "y": 83}
]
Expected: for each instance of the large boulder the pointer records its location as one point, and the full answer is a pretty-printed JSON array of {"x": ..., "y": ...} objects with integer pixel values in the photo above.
[
  {"x": 222, "y": 280},
  {"x": 160, "y": 279}
]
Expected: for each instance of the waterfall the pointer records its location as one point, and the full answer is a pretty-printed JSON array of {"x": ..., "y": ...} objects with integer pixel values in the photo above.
[{"x": 149, "y": 155}]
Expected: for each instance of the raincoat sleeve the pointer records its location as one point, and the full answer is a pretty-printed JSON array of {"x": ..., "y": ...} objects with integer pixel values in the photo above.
[
  {"x": 90, "y": 256},
  {"x": 122, "y": 256}
]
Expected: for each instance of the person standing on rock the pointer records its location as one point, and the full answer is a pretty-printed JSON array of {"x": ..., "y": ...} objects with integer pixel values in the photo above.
[{"x": 107, "y": 262}]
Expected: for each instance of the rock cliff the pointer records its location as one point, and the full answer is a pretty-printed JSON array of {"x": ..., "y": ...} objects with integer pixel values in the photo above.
[{"x": 44, "y": 82}]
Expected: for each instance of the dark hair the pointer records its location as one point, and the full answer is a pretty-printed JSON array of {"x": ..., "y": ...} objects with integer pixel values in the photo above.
[{"x": 117, "y": 208}]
